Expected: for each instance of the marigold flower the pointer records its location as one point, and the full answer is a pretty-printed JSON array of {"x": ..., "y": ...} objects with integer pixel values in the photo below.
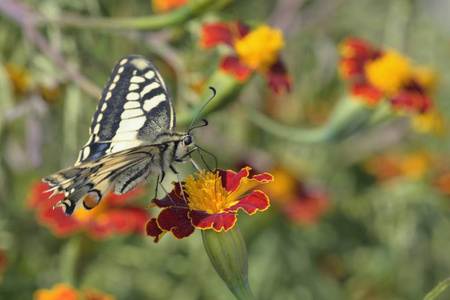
[
  {"x": 20, "y": 78},
  {"x": 114, "y": 217},
  {"x": 58, "y": 291},
  {"x": 68, "y": 292},
  {"x": 162, "y": 6},
  {"x": 375, "y": 74},
  {"x": 212, "y": 202},
  {"x": 253, "y": 55},
  {"x": 300, "y": 203},
  {"x": 392, "y": 63},
  {"x": 413, "y": 166},
  {"x": 256, "y": 50},
  {"x": 430, "y": 121}
]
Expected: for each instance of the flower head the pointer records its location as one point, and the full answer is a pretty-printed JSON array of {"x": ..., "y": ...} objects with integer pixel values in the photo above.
[
  {"x": 114, "y": 217},
  {"x": 212, "y": 202},
  {"x": 255, "y": 50},
  {"x": 375, "y": 74},
  {"x": 68, "y": 292},
  {"x": 162, "y": 6},
  {"x": 412, "y": 166},
  {"x": 299, "y": 202}
]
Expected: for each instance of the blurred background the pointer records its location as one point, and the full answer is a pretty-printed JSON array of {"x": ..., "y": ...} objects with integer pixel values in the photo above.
[{"x": 362, "y": 214}]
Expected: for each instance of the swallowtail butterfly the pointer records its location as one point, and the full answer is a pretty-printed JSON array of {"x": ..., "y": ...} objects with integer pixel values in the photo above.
[{"x": 132, "y": 137}]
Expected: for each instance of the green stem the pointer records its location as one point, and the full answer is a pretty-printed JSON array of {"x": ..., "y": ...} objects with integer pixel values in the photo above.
[
  {"x": 228, "y": 255},
  {"x": 227, "y": 87},
  {"x": 153, "y": 22},
  {"x": 438, "y": 290},
  {"x": 349, "y": 116},
  {"x": 68, "y": 259}
]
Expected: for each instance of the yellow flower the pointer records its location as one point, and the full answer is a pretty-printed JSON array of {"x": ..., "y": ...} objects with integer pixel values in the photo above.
[
  {"x": 20, "y": 78},
  {"x": 389, "y": 72},
  {"x": 62, "y": 291},
  {"x": 415, "y": 165},
  {"x": 430, "y": 121},
  {"x": 260, "y": 48},
  {"x": 162, "y": 6},
  {"x": 425, "y": 76},
  {"x": 59, "y": 291}
]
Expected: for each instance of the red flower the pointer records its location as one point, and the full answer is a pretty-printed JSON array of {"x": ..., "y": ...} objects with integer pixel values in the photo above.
[
  {"x": 212, "y": 202},
  {"x": 307, "y": 208},
  {"x": 114, "y": 217},
  {"x": 375, "y": 74},
  {"x": 255, "y": 50},
  {"x": 299, "y": 202},
  {"x": 67, "y": 292},
  {"x": 162, "y": 6}
]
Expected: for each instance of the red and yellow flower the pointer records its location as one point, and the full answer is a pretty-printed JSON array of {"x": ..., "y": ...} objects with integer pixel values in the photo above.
[
  {"x": 68, "y": 292},
  {"x": 114, "y": 217},
  {"x": 162, "y": 6},
  {"x": 210, "y": 201},
  {"x": 412, "y": 166},
  {"x": 375, "y": 74},
  {"x": 254, "y": 50},
  {"x": 300, "y": 203}
]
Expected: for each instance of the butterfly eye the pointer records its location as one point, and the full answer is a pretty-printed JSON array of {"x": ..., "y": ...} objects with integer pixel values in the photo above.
[{"x": 187, "y": 140}]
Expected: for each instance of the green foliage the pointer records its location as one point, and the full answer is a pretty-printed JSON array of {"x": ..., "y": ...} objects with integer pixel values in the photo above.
[{"x": 379, "y": 239}]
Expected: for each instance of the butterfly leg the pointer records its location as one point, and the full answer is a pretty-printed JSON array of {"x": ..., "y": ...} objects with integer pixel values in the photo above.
[
  {"x": 156, "y": 186},
  {"x": 179, "y": 182},
  {"x": 168, "y": 195}
]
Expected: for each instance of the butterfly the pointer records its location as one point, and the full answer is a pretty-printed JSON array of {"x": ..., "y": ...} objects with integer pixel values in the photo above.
[{"x": 132, "y": 137}]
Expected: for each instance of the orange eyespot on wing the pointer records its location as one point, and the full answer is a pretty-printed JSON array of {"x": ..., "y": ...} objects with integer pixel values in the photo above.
[{"x": 91, "y": 199}]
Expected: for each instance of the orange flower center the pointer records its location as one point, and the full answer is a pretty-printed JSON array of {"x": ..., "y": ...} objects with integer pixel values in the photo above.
[
  {"x": 207, "y": 193},
  {"x": 389, "y": 72},
  {"x": 260, "y": 48}
]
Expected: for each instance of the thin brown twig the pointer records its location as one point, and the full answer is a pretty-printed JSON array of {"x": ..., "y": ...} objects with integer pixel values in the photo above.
[{"x": 26, "y": 19}]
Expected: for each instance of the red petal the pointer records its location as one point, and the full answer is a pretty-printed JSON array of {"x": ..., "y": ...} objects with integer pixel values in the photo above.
[
  {"x": 216, "y": 33},
  {"x": 118, "y": 200},
  {"x": 152, "y": 229},
  {"x": 59, "y": 223},
  {"x": 242, "y": 29},
  {"x": 307, "y": 210},
  {"x": 369, "y": 93},
  {"x": 173, "y": 199},
  {"x": 175, "y": 221},
  {"x": 121, "y": 221},
  {"x": 38, "y": 195},
  {"x": 251, "y": 203},
  {"x": 231, "y": 180},
  {"x": 232, "y": 65},
  {"x": 278, "y": 78},
  {"x": 412, "y": 101},
  {"x": 218, "y": 222}
]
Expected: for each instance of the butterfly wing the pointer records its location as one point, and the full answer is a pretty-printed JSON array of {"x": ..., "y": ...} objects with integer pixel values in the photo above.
[
  {"x": 135, "y": 106},
  {"x": 87, "y": 183}
]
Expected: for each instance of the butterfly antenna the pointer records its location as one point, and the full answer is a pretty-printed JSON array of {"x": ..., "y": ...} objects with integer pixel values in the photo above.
[
  {"x": 200, "y": 111},
  {"x": 210, "y": 154}
]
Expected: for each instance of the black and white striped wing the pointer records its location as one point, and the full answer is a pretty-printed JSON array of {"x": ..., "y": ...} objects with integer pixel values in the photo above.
[
  {"x": 135, "y": 106},
  {"x": 87, "y": 183}
]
